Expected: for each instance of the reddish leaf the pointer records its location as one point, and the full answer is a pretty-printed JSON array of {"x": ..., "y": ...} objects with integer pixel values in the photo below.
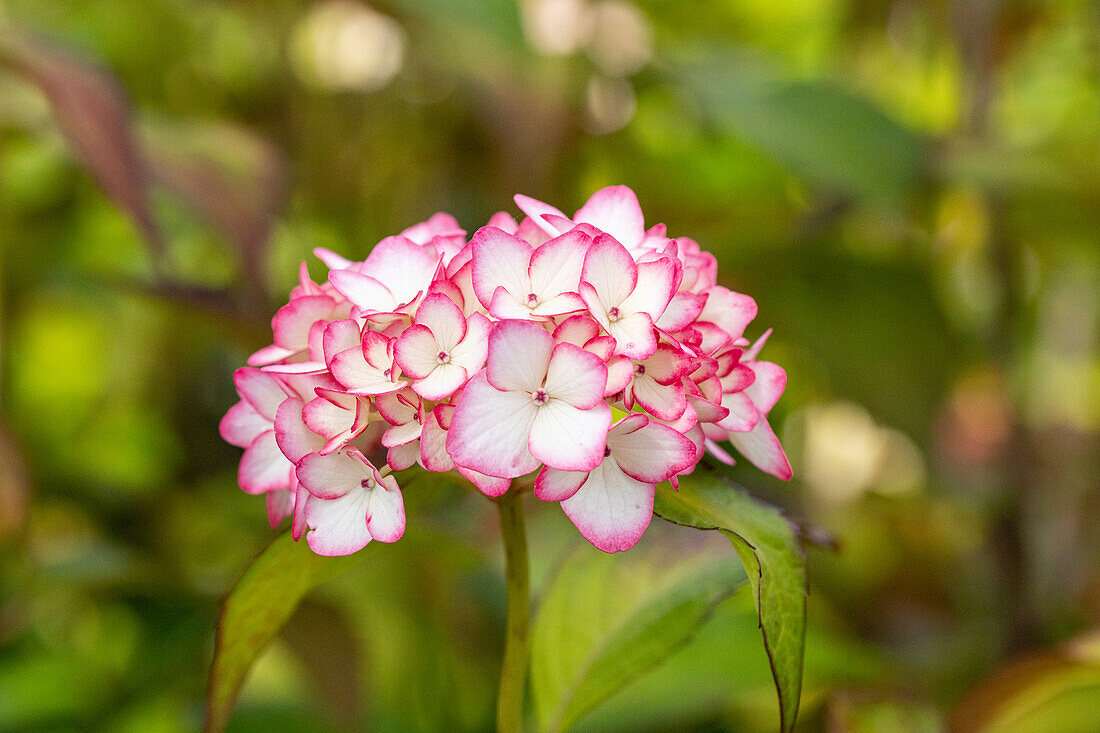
[
  {"x": 231, "y": 178},
  {"x": 94, "y": 114}
]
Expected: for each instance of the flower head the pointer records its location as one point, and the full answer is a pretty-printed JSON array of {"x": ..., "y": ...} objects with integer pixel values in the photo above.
[{"x": 503, "y": 358}]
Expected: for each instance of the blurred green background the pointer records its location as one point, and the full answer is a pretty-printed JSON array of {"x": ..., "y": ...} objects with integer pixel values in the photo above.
[{"x": 910, "y": 189}]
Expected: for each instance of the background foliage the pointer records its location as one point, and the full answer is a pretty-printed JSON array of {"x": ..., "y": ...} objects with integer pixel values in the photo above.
[{"x": 911, "y": 191}]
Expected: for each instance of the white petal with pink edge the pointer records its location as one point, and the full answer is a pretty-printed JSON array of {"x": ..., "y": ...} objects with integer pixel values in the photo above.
[
  {"x": 263, "y": 466},
  {"x": 666, "y": 402},
  {"x": 491, "y": 486},
  {"x": 293, "y": 436},
  {"x": 615, "y": 210},
  {"x": 519, "y": 354},
  {"x": 293, "y": 321},
  {"x": 338, "y": 526},
  {"x": 417, "y": 351},
  {"x": 610, "y": 270},
  {"x": 332, "y": 476},
  {"x": 405, "y": 267},
  {"x": 537, "y": 210},
  {"x": 652, "y": 453},
  {"x": 242, "y": 424},
  {"x": 444, "y": 318},
  {"x": 743, "y": 415},
  {"x": 762, "y": 448},
  {"x": 341, "y": 336},
  {"x": 365, "y": 292},
  {"x": 470, "y": 354},
  {"x": 770, "y": 382},
  {"x": 654, "y": 289},
  {"x": 386, "y": 511},
  {"x": 568, "y": 438},
  {"x": 576, "y": 376},
  {"x": 553, "y": 484},
  {"x": 611, "y": 510},
  {"x": 260, "y": 389},
  {"x": 490, "y": 429},
  {"x": 499, "y": 260},
  {"x": 556, "y": 266}
]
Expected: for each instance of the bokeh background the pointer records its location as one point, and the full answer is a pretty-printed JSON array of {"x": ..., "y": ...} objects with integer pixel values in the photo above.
[{"x": 910, "y": 189}]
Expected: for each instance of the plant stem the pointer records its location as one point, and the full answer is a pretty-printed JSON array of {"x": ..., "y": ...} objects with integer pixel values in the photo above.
[{"x": 517, "y": 645}]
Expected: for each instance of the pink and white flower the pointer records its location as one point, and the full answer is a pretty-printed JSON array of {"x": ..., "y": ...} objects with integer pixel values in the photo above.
[
  {"x": 625, "y": 297},
  {"x": 514, "y": 280},
  {"x": 501, "y": 359},
  {"x": 442, "y": 348},
  {"x": 612, "y": 504},
  {"x": 534, "y": 403},
  {"x": 350, "y": 503}
]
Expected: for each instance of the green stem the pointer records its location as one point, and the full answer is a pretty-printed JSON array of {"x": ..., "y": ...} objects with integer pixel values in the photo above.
[{"x": 517, "y": 645}]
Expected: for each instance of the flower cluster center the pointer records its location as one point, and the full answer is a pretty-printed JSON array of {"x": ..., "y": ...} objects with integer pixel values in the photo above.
[
  {"x": 443, "y": 358},
  {"x": 532, "y": 300},
  {"x": 613, "y": 313},
  {"x": 540, "y": 397}
]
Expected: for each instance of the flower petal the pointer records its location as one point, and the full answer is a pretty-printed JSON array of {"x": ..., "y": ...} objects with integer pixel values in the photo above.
[
  {"x": 610, "y": 270},
  {"x": 406, "y": 267},
  {"x": 615, "y": 210},
  {"x": 666, "y": 402},
  {"x": 444, "y": 318},
  {"x": 519, "y": 355},
  {"x": 260, "y": 389},
  {"x": 555, "y": 485},
  {"x": 365, "y": 292},
  {"x": 499, "y": 260},
  {"x": 611, "y": 509},
  {"x": 444, "y": 381},
  {"x": 341, "y": 336},
  {"x": 331, "y": 415},
  {"x": 242, "y": 424},
  {"x": 681, "y": 312},
  {"x": 654, "y": 289},
  {"x": 633, "y": 335},
  {"x": 576, "y": 376},
  {"x": 332, "y": 476},
  {"x": 762, "y": 448},
  {"x": 743, "y": 413},
  {"x": 338, "y": 526},
  {"x": 293, "y": 436},
  {"x": 556, "y": 266},
  {"x": 535, "y": 209},
  {"x": 728, "y": 310},
  {"x": 770, "y": 382},
  {"x": 433, "y": 443},
  {"x": 652, "y": 453},
  {"x": 491, "y": 486},
  {"x": 490, "y": 428},
  {"x": 565, "y": 437},
  {"x": 264, "y": 467},
  {"x": 416, "y": 351},
  {"x": 386, "y": 511},
  {"x": 577, "y": 330},
  {"x": 470, "y": 354},
  {"x": 293, "y": 321}
]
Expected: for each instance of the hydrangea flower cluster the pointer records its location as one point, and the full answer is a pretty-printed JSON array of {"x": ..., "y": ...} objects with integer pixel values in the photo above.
[{"x": 593, "y": 356}]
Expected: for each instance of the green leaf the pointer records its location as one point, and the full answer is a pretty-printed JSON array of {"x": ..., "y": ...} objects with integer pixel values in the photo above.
[
  {"x": 254, "y": 611},
  {"x": 606, "y": 619},
  {"x": 818, "y": 130},
  {"x": 768, "y": 546}
]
